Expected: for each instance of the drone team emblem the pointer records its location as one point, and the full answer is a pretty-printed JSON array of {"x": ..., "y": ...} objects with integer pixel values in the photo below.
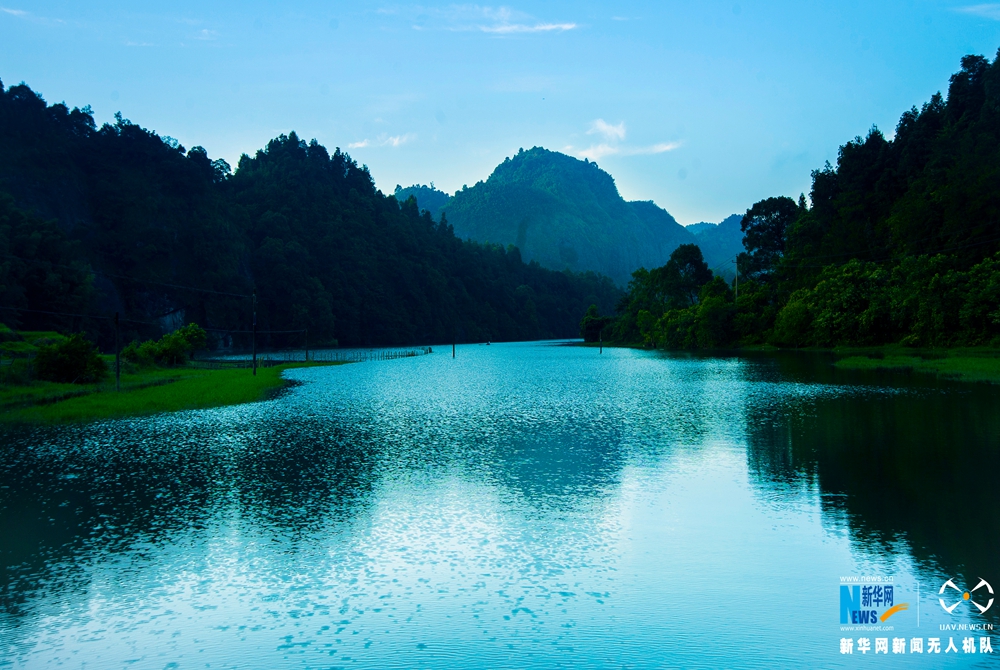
[{"x": 966, "y": 595}]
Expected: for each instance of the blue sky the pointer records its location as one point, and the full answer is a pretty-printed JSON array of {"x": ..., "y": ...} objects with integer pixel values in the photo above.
[{"x": 702, "y": 107}]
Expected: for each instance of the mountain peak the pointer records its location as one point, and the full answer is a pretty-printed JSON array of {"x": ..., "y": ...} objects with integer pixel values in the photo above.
[{"x": 565, "y": 213}]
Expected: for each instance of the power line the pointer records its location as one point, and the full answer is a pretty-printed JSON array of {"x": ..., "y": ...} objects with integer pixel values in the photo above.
[
  {"x": 855, "y": 254},
  {"x": 900, "y": 257},
  {"x": 186, "y": 288},
  {"x": 227, "y": 330},
  {"x": 127, "y": 278},
  {"x": 147, "y": 323},
  {"x": 725, "y": 262},
  {"x": 84, "y": 316}
]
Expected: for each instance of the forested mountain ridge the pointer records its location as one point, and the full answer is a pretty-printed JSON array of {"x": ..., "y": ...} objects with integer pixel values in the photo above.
[
  {"x": 898, "y": 243},
  {"x": 427, "y": 197},
  {"x": 165, "y": 235},
  {"x": 720, "y": 243},
  {"x": 565, "y": 213}
]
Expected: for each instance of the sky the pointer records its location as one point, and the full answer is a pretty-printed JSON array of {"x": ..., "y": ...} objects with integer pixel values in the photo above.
[{"x": 704, "y": 108}]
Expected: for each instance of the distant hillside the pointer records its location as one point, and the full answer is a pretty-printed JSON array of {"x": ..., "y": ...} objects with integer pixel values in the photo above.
[
  {"x": 701, "y": 227},
  {"x": 428, "y": 198},
  {"x": 566, "y": 214},
  {"x": 720, "y": 242}
]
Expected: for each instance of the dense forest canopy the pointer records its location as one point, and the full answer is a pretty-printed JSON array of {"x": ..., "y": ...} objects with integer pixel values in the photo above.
[
  {"x": 118, "y": 218},
  {"x": 898, "y": 243}
]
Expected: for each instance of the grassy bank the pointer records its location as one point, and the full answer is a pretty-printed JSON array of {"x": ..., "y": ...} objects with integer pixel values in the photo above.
[
  {"x": 146, "y": 392},
  {"x": 961, "y": 364}
]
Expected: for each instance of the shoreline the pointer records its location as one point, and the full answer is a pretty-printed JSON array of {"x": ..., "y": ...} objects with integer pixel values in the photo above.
[
  {"x": 966, "y": 364},
  {"x": 148, "y": 392}
]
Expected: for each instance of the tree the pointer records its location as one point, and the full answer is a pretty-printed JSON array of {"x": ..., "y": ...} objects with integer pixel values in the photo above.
[
  {"x": 684, "y": 275},
  {"x": 674, "y": 286},
  {"x": 763, "y": 228}
]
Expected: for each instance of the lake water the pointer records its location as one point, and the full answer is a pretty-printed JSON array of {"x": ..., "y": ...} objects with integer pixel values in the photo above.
[{"x": 522, "y": 505}]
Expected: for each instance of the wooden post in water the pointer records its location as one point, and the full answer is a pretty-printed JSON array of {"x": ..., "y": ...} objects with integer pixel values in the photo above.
[
  {"x": 307, "y": 345},
  {"x": 453, "y": 350},
  {"x": 118, "y": 358},
  {"x": 255, "y": 332},
  {"x": 600, "y": 336}
]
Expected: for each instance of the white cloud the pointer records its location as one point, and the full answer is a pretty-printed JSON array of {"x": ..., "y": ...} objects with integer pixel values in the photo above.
[
  {"x": 384, "y": 140},
  {"x": 608, "y": 131},
  {"x": 396, "y": 140},
  {"x": 613, "y": 136},
  {"x": 206, "y": 34},
  {"x": 660, "y": 148},
  {"x": 597, "y": 151},
  {"x": 987, "y": 11},
  {"x": 600, "y": 150},
  {"x": 510, "y": 28},
  {"x": 499, "y": 21},
  {"x": 34, "y": 18}
]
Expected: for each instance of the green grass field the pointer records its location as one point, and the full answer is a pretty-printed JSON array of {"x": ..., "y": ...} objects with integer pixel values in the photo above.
[
  {"x": 963, "y": 365},
  {"x": 146, "y": 392}
]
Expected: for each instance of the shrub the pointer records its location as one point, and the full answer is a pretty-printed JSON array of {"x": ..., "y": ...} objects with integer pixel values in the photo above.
[
  {"x": 171, "y": 349},
  {"x": 72, "y": 361},
  {"x": 141, "y": 355}
]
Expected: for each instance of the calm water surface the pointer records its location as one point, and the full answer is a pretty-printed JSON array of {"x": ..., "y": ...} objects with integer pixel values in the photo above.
[{"x": 523, "y": 505}]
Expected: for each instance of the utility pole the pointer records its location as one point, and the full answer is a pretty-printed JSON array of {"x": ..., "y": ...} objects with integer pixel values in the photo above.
[
  {"x": 255, "y": 331},
  {"x": 737, "y": 280},
  {"x": 118, "y": 358}
]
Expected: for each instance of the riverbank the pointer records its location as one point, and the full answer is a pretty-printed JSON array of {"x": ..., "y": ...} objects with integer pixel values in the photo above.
[
  {"x": 969, "y": 365},
  {"x": 146, "y": 392},
  {"x": 961, "y": 364}
]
